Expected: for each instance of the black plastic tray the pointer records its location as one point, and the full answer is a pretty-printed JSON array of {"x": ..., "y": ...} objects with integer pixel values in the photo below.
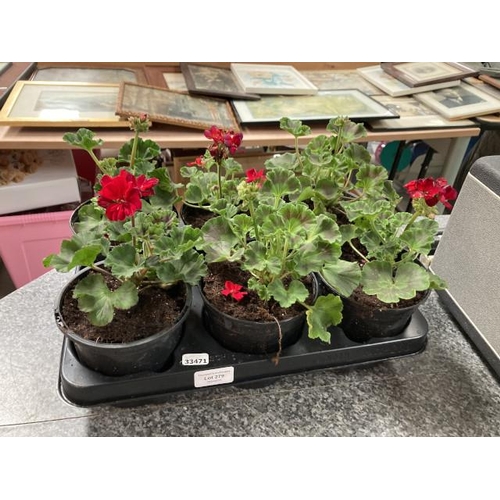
[{"x": 83, "y": 387}]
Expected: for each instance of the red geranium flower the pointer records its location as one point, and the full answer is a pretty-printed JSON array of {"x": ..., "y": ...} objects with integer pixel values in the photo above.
[
  {"x": 432, "y": 190},
  {"x": 215, "y": 134},
  {"x": 196, "y": 163},
  {"x": 145, "y": 185},
  {"x": 233, "y": 141},
  {"x": 119, "y": 195},
  {"x": 256, "y": 176},
  {"x": 233, "y": 290}
]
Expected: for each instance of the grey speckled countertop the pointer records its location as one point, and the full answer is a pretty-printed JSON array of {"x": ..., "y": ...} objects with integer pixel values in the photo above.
[{"x": 447, "y": 390}]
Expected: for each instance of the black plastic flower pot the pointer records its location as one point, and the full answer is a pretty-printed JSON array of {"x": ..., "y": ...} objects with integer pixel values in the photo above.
[
  {"x": 253, "y": 337},
  {"x": 150, "y": 354},
  {"x": 360, "y": 323}
]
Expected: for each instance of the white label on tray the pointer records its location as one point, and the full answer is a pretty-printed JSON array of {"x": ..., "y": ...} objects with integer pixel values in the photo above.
[
  {"x": 215, "y": 376},
  {"x": 194, "y": 359}
]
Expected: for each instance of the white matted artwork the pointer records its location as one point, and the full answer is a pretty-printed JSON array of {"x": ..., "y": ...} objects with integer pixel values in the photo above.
[
  {"x": 413, "y": 115},
  {"x": 394, "y": 87},
  {"x": 341, "y": 79},
  {"x": 464, "y": 101},
  {"x": 272, "y": 79}
]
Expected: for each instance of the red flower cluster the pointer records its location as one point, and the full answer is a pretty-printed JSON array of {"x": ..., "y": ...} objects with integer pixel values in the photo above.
[
  {"x": 233, "y": 290},
  {"x": 121, "y": 195},
  {"x": 258, "y": 176},
  {"x": 432, "y": 190},
  {"x": 225, "y": 142}
]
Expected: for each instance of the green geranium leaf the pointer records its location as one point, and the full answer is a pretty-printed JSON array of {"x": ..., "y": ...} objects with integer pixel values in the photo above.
[
  {"x": 280, "y": 183},
  {"x": 294, "y": 127},
  {"x": 312, "y": 256},
  {"x": 286, "y": 160},
  {"x": 325, "y": 313},
  {"x": 146, "y": 150},
  {"x": 190, "y": 268},
  {"x": 95, "y": 298},
  {"x": 437, "y": 283},
  {"x": 81, "y": 250},
  {"x": 328, "y": 189},
  {"x": 286, "y": 297},
  {"x": 420, "y": 235},
  {"x": 231, "y": 167},
  {"x": 344, "y": 277},
  {"x": 178, "y": 241},
  {"x": 377, "y": 279},
  {"x": 122, "y": 261},
  {"x": 219, "y": 240},
  {"x": 347, "y": 130},
  {"x": 83, "y": 138}
]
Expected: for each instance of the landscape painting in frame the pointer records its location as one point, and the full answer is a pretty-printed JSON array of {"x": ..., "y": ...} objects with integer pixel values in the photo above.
[
  {"x": 214, "y": 81},
  {"x": 322, "y": 106},
  {"x": 62, "y": 104},
  {"x": 175, "y": 108}
]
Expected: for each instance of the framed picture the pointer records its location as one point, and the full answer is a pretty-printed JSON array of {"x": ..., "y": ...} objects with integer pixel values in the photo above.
[
  {"x": 214, "y": 81},
  {"x": 491, "y": 80},
  {"x": 340, "y": 80},
  {"x": 415, "y": 74},
  {"x": 175, "y": 108},
  {"x": 413, "y": 115},
  {"x": 62, "y": 104},
  {"x": 483, "y": 86},
  {"x": 456, "y": 103},
  {"x": 4, "y": 66},
  {"x": 322, "y": 106},
  {"x": 175, "y": 81},
  {"x": 10, "y": 74},
  {"x": 395, "y": 88},
  {"x": 156, "y": 76},
  {"x": 89, "y": 75},
  {"x": 272, "y": 79}
]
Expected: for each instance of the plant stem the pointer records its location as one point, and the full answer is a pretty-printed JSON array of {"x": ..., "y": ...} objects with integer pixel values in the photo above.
[
  {"x": 103, "y": 271},
  {"x": 219, "y": 179},
  {"x": 252, "y": 214},
  {"x": 358, "y": 252},
  {"x": 134, "y": 150}
]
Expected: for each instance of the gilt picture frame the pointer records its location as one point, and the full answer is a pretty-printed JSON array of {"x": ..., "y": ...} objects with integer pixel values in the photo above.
[
  {"x": 175, "y": 108},
  {"x": 61, "y": 104},
  {"x": 265, "y": 79},
  {"x": 214, "y": 81},
  {"x": 320, "y": 107}
]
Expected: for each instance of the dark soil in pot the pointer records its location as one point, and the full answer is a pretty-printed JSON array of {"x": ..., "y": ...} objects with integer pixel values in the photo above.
[
  {"x": 251, "y": 308},
  {"x": 195, "y": 217},
  {"x": 251, "y": 325},
  {"x": 157, "y": 309}
]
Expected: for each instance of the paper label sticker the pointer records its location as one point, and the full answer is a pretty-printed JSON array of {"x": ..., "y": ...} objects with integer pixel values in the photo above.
[
  {"x": 195, "y": 359},
  {"x": 215, "y": 376}
]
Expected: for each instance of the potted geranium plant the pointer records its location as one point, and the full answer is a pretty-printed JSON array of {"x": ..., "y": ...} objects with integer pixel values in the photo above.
[
  {"x": 124, "y": 310},
  {"x": 333, "y": 167},
  {"x": 261, "y": 286},
  {"x": 389, "y": 246},
  {"x": 211, "y": 179},
  {"x": 138, "y": 156}
]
